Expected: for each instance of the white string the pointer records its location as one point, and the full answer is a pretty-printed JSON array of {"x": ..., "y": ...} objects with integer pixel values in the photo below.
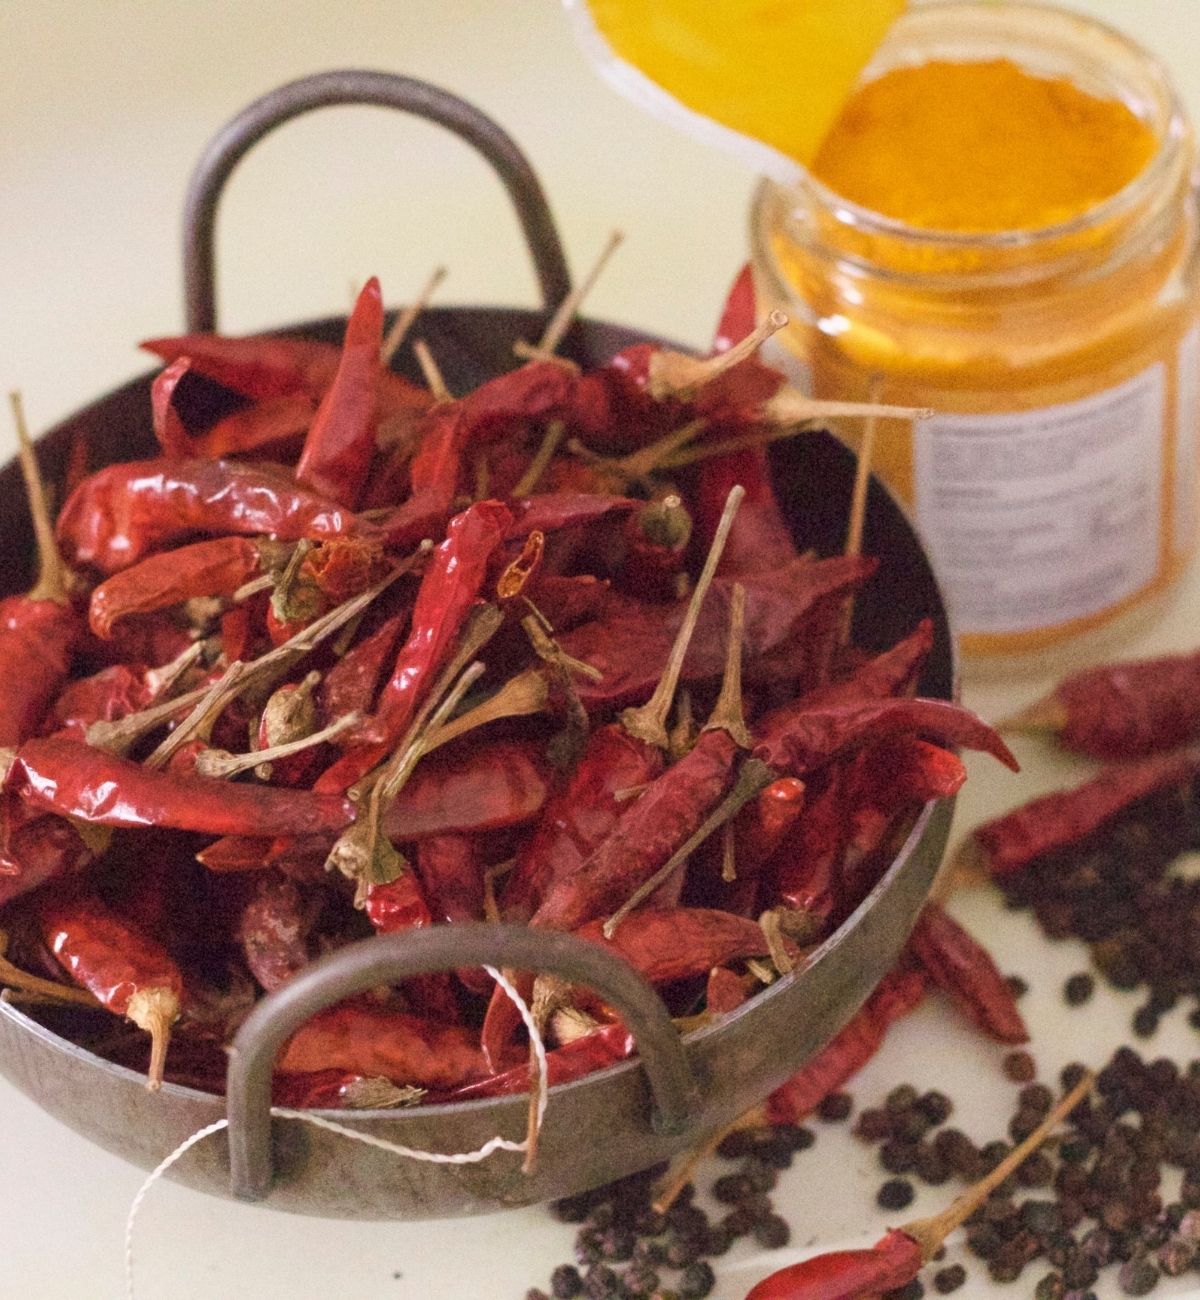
[{"x": 491, "y": 1146}]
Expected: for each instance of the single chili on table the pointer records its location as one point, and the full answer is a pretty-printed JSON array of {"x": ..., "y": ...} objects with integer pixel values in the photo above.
[{"x": 897, "y": 1258}]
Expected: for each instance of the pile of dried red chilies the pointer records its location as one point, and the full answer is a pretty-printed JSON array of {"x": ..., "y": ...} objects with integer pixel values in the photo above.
[{"x": 361, "y": 657}]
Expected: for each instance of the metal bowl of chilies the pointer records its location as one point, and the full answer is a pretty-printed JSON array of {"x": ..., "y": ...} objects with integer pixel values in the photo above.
[{"x": 677, "y": 1090}]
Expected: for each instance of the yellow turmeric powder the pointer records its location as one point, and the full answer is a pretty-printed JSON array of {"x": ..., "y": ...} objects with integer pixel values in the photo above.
[{"x": 980, "y": 147}]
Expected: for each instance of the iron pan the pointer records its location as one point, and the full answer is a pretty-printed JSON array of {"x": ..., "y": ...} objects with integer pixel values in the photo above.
[{"x": 598, "y": 1128}]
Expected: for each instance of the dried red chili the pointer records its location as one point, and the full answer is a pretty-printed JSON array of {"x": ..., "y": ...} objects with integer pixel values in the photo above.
[
  {"x": 75, "y": 780},
  {"x": 1121, "y": 710},
  {"x": 273, "y": 929},
  {"x": 213, "y": 568},
  {"x": 898, "y": 993},
  {"x": 116, "y": 516},
  {"x": 366, "y": 1039},
  {"x": 341, "y": 440},
  {"x": 964, "y": 969},
  {"x": 1054, "y": 821},
  {"x": 126, "y": 971}
]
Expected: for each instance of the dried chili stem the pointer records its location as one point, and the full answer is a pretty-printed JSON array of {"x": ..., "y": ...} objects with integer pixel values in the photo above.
[
  {"x": 678, "y": 1178},
  {"x": 931, "y": 1232},
  {"x": 791, "y": 406},
  {"x": 432, "y": 372},
  {"x": 264, "y": 582},
  {"x": 14, "y": 977},
  {"x": 728, "y": 854},
  {"x": 220, "y": 764},
  {"x": 568, "y": 309},
  {"x": 648, "y": 722},
  {"x": 363, "y": 852},
  {"x": 405, "y": 319},
  {"x": 727, "y": 713},
  {"x": 287, "y": 604},
  {"x": 675, "y": 374},
  {"x": 858, "y": 504},
  {"x": 659, "y": 453},
  {"x": 155, "y": 1010},
  {"x": 771, "y": 924},
  {"x": 52, "y": 583},
  {"x": 541, "y": 458},
  {"x": 163, "y": 681},
  {"x": 199, "y": 723},
  {"x": 753, "y": 778},
  {"x": 519, "y": 697}
]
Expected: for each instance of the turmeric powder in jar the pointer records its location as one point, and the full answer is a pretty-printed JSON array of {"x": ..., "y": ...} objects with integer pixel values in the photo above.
[{"x": 1000, "y": 226}]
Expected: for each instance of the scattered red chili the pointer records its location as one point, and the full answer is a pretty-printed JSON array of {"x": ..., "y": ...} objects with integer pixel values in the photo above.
[
  {"x": 963, "y": 968},
  {"x": 1054, "y": 821},
  {"x": 1121, "y": 710},
  {"x": 898, "y": 993}
]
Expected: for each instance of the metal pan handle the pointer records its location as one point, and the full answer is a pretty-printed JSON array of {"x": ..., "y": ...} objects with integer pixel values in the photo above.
[
  {"x": 388, "y": 959},
  {"x": 387, "y": 90}
]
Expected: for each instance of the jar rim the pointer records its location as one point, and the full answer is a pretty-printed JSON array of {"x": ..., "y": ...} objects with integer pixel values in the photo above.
[{"x": 1150, "y": 179}]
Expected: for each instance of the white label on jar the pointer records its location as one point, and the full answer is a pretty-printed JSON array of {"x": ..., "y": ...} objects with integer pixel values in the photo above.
[
  {"x": 1038, "y": 517},
  {"x": 1187, "y": 431}
]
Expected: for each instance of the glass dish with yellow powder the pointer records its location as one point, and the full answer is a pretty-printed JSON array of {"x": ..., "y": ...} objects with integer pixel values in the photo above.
[{"x": 1001, "y": 226}]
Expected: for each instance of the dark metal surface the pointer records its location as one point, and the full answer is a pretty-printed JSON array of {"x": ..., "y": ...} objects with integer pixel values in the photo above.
[
  {"x": 596, "y": 1128},
  {"x": 385, "y": 90},
  {"x": 389, "y": 959}
]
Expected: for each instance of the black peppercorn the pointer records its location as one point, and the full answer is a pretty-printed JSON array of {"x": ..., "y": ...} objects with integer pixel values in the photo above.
[
  {"x": 898, "y": 1157},
  {"x": 835, "y": 1108},
  {"x": 1019, "y": 1067},
  {"x": 895, "y": 1194},
  {"x": 935, "y": 1106},
  {"x": 565, "y": 1282},
  {"x": 1137, "y": 1277},
  {"x": 697, "y": 1281},
  {"x": 1079, "y": 989},
  {"x": 949, "y": 1279},
  {"x": 772, "y": 1232}
]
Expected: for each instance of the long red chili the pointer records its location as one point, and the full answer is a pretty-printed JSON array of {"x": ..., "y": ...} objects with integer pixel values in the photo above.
[
  {"x": 1122, "y": 710},
  {"x": 119, "y": 514},
  {"x": 630, "y": 644},
  {"x": 890, "y": 1264},
  {"x": 212, "y": 568},
  {"x": 379, "y": 1041},
  {"x": 1059, "y": 820},
  {"x": 126, "y": 971},
  {"x": 448, "y": 592},
  {"x": 653, "y": 826},
  {"x": 266, "y": 366},
  {"x": 898, "y": 993},
  {"x": 341, "y": 441},
  {"x": 960, "y": 966},
  {"x": 800, "y": 736},
  {"x": 675, "y": 943},
  {"x": 74, "y": 780}
]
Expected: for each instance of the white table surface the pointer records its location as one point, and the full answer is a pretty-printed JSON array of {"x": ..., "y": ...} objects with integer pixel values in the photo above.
[{"x": 103, "y": 108}]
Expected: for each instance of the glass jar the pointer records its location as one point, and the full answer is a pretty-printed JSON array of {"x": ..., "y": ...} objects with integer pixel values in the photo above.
[{"x": 1055, "y": 484}]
